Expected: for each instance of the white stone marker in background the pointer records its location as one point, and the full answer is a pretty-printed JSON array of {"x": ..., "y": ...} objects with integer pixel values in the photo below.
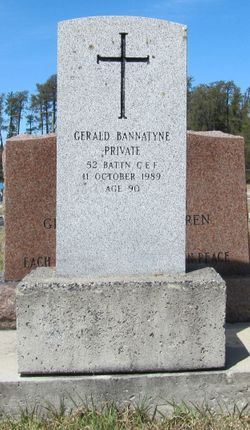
[{"x": 121, "y": 165}]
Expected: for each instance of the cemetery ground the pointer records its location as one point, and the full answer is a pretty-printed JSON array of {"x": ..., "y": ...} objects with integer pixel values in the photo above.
[{"x": 110, "y": 417}]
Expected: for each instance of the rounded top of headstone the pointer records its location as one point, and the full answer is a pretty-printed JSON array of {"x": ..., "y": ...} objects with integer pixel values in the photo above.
[{"x": 123, "y": 20}]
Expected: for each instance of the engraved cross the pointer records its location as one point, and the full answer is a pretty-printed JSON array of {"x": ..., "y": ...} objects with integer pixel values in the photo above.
[{"x": 123, "y": 60}]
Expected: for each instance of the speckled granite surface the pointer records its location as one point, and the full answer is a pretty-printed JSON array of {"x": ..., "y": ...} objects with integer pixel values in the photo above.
[
  {"x": 30, "y": 201},
  {"x": 216, "y": 203},
  {"x": 217, "y": 230}
]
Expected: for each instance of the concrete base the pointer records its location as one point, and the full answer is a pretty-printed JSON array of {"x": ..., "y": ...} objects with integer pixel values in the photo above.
[
  {"x": 237, "y": 307},
  {"x": 217, "y": 388},
  {"x": 134, "y": 324}
]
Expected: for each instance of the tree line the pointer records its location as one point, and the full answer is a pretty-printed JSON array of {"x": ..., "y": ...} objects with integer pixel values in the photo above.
[
  {"x": 217, "y": 106},
  {"x": 38, "y": 110},
  {"x": 220, "y": 106}
]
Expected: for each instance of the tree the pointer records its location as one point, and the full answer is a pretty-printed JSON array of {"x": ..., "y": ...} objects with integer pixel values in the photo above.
[
  {"x": 44, "y": 105},
  {"x": 51, "y": 85},
  {"x": 199, "y": 109},
  {"x": 36, "y": 109},
  {"x": 11, "y": 112},
  {"x": 216, "y": 106},
  {"x": 30, "y": 127},
  {"x": 21, "y": 100},
  {"x": 15, "y": 105},
  {"x": 220, "y": 106}
]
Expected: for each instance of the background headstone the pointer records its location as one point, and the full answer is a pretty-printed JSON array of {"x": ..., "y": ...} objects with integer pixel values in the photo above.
[
  {"x": 30, "y": 203},
  {"x": 217, "y": 225},
  {"x": 121, "y": 186},
  {"x": 200, "y": 145}
]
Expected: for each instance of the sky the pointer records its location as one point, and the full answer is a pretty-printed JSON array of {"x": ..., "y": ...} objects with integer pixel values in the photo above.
[{"x": 218, "y": 36}]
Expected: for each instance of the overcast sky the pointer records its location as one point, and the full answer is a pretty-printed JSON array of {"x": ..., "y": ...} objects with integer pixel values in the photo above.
[{"x": 218, "y": 47}]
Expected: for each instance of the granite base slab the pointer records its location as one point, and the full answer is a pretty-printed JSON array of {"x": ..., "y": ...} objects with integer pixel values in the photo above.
[{"x": 109, "y": 325}]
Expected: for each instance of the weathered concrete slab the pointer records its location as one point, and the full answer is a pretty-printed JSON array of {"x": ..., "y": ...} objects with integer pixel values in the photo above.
[
  {"x": 134, "y": 324},
  {"x": 217, "y": 388},
  {"x": 237, "y": 303}
]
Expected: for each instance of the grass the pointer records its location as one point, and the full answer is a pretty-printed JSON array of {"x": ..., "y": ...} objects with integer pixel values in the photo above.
[{"x": 110, "y": 417}]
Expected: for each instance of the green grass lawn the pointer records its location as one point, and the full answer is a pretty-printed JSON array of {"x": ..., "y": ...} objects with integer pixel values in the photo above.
[{"x": 128, "y": 418}]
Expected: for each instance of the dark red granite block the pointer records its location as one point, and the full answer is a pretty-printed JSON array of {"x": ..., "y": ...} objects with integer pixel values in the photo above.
[
  {"x": 30, "y": 204},
  {"x": 216, "y": 203},
  {"x": 217, "y": 225}
]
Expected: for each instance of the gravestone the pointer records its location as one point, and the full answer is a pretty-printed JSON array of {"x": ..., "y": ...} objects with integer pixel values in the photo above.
[
  {"x": 30, "y": 204},
  {"x": 217, "y": 224},
  {"x": 216, "y": 236},
  {"x": 121, "y": 146},
  {"x": 20, "y": 248},
  {"x": 120, "y": 300}
]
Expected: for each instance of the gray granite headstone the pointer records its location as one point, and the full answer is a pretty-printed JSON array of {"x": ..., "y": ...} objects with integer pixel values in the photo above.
[{"x": 121, "y": 189}]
